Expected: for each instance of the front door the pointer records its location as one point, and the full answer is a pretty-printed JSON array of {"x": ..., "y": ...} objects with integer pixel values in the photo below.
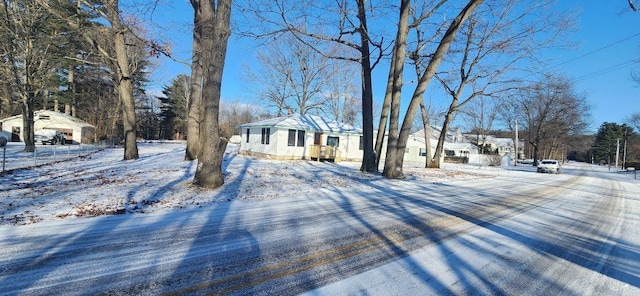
[{"x": 317, "y": 138}]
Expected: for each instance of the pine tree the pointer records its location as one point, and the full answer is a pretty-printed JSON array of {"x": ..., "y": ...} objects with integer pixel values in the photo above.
[
  {"x": 609, "y": 135},
  {"x": 174, "y": 108}
]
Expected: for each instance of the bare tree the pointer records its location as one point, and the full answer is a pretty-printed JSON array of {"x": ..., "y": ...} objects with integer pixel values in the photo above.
[
  {"x": 109, "y": 12},
  {"x": 392, "y": 168},
  {"x": 214, "y": 22},
  {"x": 342, "y": 103},
  {"x": 480, "y": 115},
  {"x": 634, "y": 120},
  {"x": 234, "y": 114},
  {"x": 269, "y": 86},
  {"x": 8, "y": 105},
  {"x": 30, "y": 53},
  {"x": 496, "y": 39},
  {"x": 292, "y": 76},
  {"x": 549, "y": 112},
  {"x": 338, "y": 22},
  {"x": 397, "y": 139}
]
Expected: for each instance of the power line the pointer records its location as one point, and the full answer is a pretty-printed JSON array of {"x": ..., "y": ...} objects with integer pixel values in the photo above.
[
  {"x": 607, "y": 70},
  {"x": 594, "y": 51}
]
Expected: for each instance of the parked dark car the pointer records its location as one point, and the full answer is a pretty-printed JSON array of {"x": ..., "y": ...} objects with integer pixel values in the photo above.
[{"x": 47, "y": 136}]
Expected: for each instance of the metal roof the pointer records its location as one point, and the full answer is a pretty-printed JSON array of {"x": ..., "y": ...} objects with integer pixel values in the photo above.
[{"x": 304, "y": 122}]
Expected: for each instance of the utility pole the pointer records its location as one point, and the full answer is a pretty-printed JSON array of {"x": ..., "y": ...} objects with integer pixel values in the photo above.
[
  {"x": 515, "y": 163},
  {"x": 624, "y": 154},
  {"x": 617, "y": 151}
]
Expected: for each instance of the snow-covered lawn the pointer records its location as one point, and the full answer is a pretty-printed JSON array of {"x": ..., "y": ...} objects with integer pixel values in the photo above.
[{"x": 103, "y": 184}]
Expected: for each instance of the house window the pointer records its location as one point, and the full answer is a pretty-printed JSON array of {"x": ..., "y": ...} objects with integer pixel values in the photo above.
[
  {"x": 266, "y": 132},
  {"x": 406, "y": 150},
  {"x": 333, "y": 141},
  {"x": 361, "y": 143},
  {"x": 247, "y": 135},
  {"x": 450, "y": 153},
  {"x": 291, "y": 141},
  {"x": 423, "y": 152},
  {"x": 300, "y": 138},
  {"x": 292, "y": 138}
]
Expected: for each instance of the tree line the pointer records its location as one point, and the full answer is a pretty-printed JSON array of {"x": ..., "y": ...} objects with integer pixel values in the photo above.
[{"x": 94, "y": 59}]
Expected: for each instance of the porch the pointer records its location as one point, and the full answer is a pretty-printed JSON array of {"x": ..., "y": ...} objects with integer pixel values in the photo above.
[{"x": 322, "y": 152}]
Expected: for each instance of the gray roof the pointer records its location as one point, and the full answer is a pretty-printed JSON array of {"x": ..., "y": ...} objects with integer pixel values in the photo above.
[{"x": 304, "y": 122}]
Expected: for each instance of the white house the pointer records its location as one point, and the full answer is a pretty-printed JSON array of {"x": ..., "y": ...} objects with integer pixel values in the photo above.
[
  {"x": 455, "y": 145},
  {"x": 74, "y": 129},
  {"x": 296, "y": 137},
  {"x": 500, "y": 146},
  {"x": 299, "y": 137}
]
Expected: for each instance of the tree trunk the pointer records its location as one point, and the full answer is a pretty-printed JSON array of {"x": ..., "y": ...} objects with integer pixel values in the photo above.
[
  {"x": 215, "y": 34},
  {"x": 72, "y": 92},
  {"x": 125, "y": 82},
  {"x": 430, "y": 71},
  {"x": 427, "y": 133},
  {"x": 125, "y": 88},
  {"x": 28, "y": 124},
  {"x": 114, "y": 120},
  {"x": 399, "y": 49},
  {"x": 384, "y": 115},
  {"x": 195, "y": 93},
  {"x": 435, "y": 162},
  {"x": 368, "y": 159}
]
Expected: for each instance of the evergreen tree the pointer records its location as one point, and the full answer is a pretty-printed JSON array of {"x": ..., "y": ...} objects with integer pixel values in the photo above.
[
  {"x": 174, "y": 108},
  {"x": 606, "y": 142}
]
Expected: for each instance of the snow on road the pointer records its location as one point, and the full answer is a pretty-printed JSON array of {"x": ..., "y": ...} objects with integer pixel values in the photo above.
[{"x": 102, "y": 225}]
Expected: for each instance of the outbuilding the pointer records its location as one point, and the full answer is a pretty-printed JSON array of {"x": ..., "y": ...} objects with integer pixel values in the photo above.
[{"x": 75, "y": 130}]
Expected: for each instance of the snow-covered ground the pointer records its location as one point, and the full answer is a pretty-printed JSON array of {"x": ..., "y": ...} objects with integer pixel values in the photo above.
[
  {"x": 103, "y": 184},
  {"x": 101, "y": 225},
  {"x": 13, "y": 156}
]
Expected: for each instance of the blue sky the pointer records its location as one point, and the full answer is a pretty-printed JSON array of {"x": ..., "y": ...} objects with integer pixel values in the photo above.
[{"x": 608, "y": 48}]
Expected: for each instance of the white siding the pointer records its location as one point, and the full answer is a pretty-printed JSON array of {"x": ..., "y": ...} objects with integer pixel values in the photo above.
[
  {"x": 282, "y": 148},
  {"x": 255, "y": 142},
  {"x": 55, "y": 120}
]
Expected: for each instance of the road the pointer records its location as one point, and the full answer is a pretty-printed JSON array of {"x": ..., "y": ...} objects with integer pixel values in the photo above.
[{"x": 571, "y": 234}]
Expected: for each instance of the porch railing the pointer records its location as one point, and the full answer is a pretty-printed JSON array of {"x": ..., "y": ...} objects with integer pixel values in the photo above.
[{"x": 321, "y": 152}]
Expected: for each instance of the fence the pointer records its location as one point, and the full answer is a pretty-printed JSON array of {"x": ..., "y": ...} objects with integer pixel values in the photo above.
[{"x": 13, "y": 156}]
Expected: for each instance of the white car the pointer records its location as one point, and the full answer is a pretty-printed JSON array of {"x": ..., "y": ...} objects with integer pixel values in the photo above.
[{"x": 549, "y": 166}]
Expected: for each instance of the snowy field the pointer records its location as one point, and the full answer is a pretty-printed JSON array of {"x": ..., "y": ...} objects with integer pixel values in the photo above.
[
  {"x": 103, "y": 184},
  {"x": 97, "y": 225}
]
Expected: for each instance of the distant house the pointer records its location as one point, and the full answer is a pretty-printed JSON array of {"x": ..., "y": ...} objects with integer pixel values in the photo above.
[
  {"x": 74, "y": 129},
  {"x": 301, "y": 137},
  {"x": 499, "y": 146},
  {"x": 455, "y": 145}
]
